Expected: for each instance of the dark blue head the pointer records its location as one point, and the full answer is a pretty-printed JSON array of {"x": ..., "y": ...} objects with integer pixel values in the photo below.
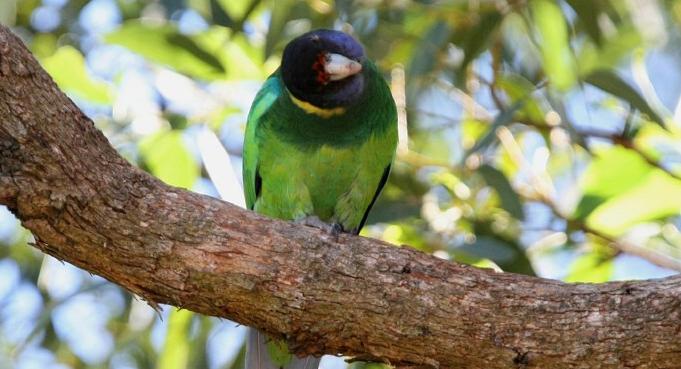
[{"x": 323, "y": 68}]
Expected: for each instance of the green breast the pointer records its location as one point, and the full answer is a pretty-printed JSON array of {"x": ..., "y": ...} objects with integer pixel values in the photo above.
[{"x": 320, "y": 175}]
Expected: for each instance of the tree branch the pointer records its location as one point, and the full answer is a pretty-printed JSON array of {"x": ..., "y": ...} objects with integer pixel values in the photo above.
[{"x": 346, "y": 295}]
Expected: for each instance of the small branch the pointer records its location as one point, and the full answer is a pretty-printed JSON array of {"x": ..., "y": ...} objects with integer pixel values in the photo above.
[
  {"x": 614, "y": 138},
  {"x": 645, "y": 253}
]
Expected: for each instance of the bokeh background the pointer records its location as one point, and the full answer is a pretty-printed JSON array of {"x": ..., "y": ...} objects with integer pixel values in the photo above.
[{"x": 538, "y": 137}]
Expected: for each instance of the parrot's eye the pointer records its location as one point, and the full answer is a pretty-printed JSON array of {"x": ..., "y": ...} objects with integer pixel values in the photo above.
[{"x": 319, "y": 67}]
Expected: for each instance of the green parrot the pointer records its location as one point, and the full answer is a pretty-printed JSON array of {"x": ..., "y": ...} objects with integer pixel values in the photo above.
[{"x": 319, "y": 143}]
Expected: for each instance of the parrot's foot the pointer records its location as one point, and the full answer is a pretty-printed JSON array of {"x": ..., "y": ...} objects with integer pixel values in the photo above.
[{"x": 334, "y": 229}]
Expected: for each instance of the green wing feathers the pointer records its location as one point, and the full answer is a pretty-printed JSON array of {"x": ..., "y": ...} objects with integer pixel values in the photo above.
[{"x": 267, "y": 95}]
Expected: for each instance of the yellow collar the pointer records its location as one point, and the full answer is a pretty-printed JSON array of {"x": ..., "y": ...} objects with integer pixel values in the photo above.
[{"x": 311, "y": 109}]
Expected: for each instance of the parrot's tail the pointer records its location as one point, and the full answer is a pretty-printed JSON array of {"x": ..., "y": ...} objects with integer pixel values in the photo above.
[{"x": 258, "y": 357}]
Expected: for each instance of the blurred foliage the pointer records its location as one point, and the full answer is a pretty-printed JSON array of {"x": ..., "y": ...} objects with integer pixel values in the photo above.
[{"x": 543, "y": 138}]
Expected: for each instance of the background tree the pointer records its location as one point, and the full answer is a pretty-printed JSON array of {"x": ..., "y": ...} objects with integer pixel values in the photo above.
[{"x": 540, "y": 137}]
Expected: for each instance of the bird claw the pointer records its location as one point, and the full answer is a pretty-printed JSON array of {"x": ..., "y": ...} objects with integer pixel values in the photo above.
[{"x": 333, "y": 229}]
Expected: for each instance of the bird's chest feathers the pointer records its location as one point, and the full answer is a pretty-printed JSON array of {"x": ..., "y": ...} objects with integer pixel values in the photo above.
[
  {"x": 329, "y": 163},
  {"x": 325, "y": 172}
]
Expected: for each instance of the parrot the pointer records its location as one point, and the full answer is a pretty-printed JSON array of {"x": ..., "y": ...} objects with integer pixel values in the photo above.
[{"x": 321, "y": 136}]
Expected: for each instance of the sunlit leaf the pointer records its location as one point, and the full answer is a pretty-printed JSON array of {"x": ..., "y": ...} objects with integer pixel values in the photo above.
[
  {"x": 553, "y": 32},
  {"x": 517, "y": 87},
  {"x": 175, "y": 353},
  {"x": 587, "y": 13},
  {"x": 613, "y": 172},
  {"x": 502, "y": 119},
  {"x": 659, "y": 143},
  {"x": 281, "y": 12},
  {"x": 656, "y": 197},
  {"x": 471, "y": 131},
  {"x": 611, "y": 83},
  {"x": 67, "y": 68},
  {"x": 240, "y": 58},
  {"x": 591, "y": 267},
  {"x": 509, "y": 198},
  {"x": 167, "y": 157},
  {"x": 44, "y": 45},
  {"x": 236, "y": 8},
  {"x": 164, "y": 44},
  {"x": 621, "y": 189},
  {"x": 610, "y": 54},
  {"x": 278, "y": 352},
  {"x": 436, "y": 147},
  {"x": 474, "y": 41}
]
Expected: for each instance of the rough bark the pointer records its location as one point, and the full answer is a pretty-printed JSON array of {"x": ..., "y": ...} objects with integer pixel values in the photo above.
[{"x": 346, "y": 295}]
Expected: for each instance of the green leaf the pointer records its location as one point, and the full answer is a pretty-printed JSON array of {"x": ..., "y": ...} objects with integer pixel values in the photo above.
[
  {"x": 175, "y": 353},
  {"x": 518, "y": 87},
  {"x": 587, "y": 14},
  {"x": 510, "y": 200},
  {"x": 461, "y": 256},
  {"x": 471, "y": 131},
  {"x": 279, "y": 353},
  {"x": 613, "y": 172},
  {"x": 235, "y": 8},
  {"x": 591, "y": 267},
  {"x": 8, "y": 12},
  {"x": 491, "y": 248},
  {"x": 502, "y": 119},
  {"x": 656, "y": 197},
  {"x": 280, "y": 13},
  {"x": 621, "y": 190},
  {"x": 424, "y": 60},
  {"x": 219, "y": 15},
  {"x": 610, "y": 54},
  {"x": 405, "y": 234},
  {"x": 506, "y": 253},
  {"x": 67, "y": 68},
  {"x": 164, "y": 44},
  {"x": 474, "y": 41},
  {"x": 172, "y": 6},
  {"x": 44, "y": 45},
  {"x": 187, "y": 44},
  {"x": 553, "y": 31},
  {"x": 167, "y": 158},
  {"x": 241, "y": 59},
  {"x": 611, "y": 83}
]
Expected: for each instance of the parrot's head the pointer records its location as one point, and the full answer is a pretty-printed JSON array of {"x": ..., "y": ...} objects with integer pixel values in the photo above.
[{"x": 324, "y": 68}]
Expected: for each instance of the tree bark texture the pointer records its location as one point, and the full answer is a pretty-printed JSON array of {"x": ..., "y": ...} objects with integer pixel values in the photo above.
[{"x": 326, "y": 295}]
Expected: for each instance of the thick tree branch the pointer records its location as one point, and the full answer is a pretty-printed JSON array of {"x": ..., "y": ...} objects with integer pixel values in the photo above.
[{"x": 347, "y": 295}]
